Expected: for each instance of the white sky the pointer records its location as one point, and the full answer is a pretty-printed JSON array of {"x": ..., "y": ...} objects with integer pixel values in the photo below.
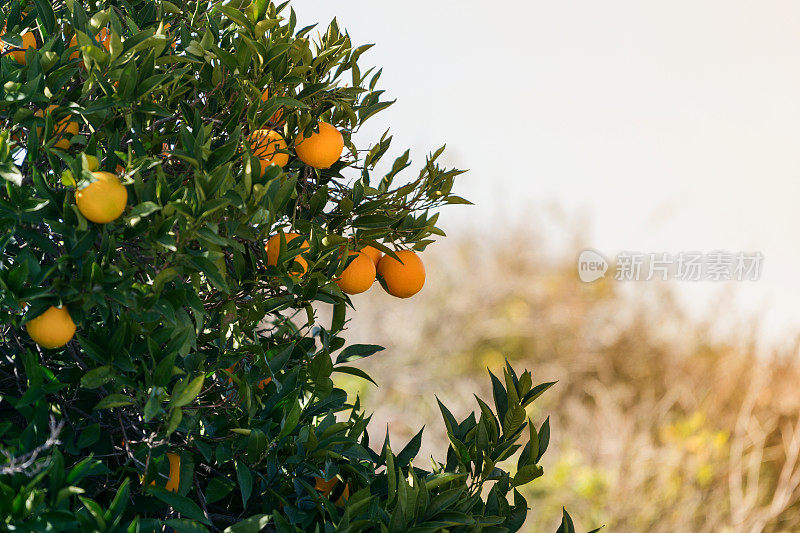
[{"x": 660, "y": 126}]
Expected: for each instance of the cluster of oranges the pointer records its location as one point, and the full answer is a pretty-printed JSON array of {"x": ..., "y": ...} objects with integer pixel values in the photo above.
[
  {"x": 321, "y": 149},
  {"x": 402, "y": 277},
  {"x": 104, "y": 200},
  {"x": 101, "y": 201}
]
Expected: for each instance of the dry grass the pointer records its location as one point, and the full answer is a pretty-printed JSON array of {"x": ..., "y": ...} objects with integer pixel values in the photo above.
[{"x": 658, "y": 426}]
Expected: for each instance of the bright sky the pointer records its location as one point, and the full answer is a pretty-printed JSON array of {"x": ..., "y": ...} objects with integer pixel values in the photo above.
[{"x": 654, "y": 126}]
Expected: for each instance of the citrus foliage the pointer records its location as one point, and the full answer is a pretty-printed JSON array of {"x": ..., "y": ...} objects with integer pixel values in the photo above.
[{"x": 197, "y": 391}]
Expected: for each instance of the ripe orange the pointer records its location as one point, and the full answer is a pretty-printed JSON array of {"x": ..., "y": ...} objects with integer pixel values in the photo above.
[
  {"x": 274, "y": 250},
  {"x": 232, "y": 369},
  {"x": 103, "y": 36},
  {"x": 373, "y": 253},
  {"x": 52, "y": 329},
  {"x": 405, "y": 279},
  {"x": 265, "y": 145},
  {"x": 277, "y": 115},
  {"x": 174, "y": 480},
  {"x": 261, "y": 384},
  {"x": 359, "y": 274},
  {"x": 64, "y": 128},
  {"x": 327, "y": 486},
  {"x": 103, "y": 200},
  {"x": 28, "y": 41},
  {"x": 167, "y": 26},
  {"x": 321, "y": 149}
]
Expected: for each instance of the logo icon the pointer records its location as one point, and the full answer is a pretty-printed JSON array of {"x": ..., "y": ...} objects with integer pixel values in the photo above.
[{"x": 591, "y": 266}]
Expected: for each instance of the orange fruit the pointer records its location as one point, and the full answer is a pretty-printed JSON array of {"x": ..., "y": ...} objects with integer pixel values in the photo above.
[
  {"x": 373, "y": 253},
  {"x": 261, "y": 384},
  {"x": 167, "y": 26},
  {"x": 103, "y": 200},
  {"x": 174, "y": 480},
  {"x": 232, "y": 369},
  {"x": 265, "y": 145},
  {"x": 344, "y": 497},
  {"x": 403, "y": 278},
  {"x": 274, "y": 250},
  {"x": 277, "y": 115},
  {"x": 52, "y": 329},
  {"x": 359, "y": 274},
  {"x": 28, "y": 41},
  {"x": 64, "y": 128},
  {"x": 327, "y": 486},
  {"x": 321, "y": 149},
  {"x": 103, "y": 36}
]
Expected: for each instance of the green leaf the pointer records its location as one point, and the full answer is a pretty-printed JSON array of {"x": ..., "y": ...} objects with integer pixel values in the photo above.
[
  {"x": 566, "y": 523},
  {"x": 188, "y": 392},
  {"x": 113, "y": 400},
  {"x": 48, "y": 17},
  {"x": 89, "y": 436},
  {"x": 410, "y": 451},
  {"x": 537, "y": 391},
  {"x": 143, "y": 209},
  {"x": 174, "y": 420},
  {"x": 291, "y": 420},
  {"x": 526, "y": 474},
  {"x": 544, "y": 439},
  {"x": 353, "y": 371},
  {"x": 256, "y": 445},
  {"x": 97, "y": 377},
  {"x": 182, "y": 504},
  {"x": 11, "y": 172},
  {"x": 339, "y": 311},
  {"x": 245, "y": 481},
  {"x": 515, "y": 417},
  {"x": 254, "y": 524},
  {"x": 453, "y": 199},
  {"x": 181, "y": 525},
  {"x": 234, "y": 14},
  {"x": 357, "y": 351},
  {"x": 218, "y": 488},
  {"x": 437, "y": 480}
]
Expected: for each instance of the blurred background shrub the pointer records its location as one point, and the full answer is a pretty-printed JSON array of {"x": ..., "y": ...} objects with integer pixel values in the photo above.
[{"x": 659, "y": 422}]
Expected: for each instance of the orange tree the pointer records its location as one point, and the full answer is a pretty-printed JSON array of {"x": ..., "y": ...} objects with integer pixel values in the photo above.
[{"x": 181, "y": 195}]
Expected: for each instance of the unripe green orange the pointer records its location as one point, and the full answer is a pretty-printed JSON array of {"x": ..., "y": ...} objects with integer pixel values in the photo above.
[{"x": 93, "y": 163}]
